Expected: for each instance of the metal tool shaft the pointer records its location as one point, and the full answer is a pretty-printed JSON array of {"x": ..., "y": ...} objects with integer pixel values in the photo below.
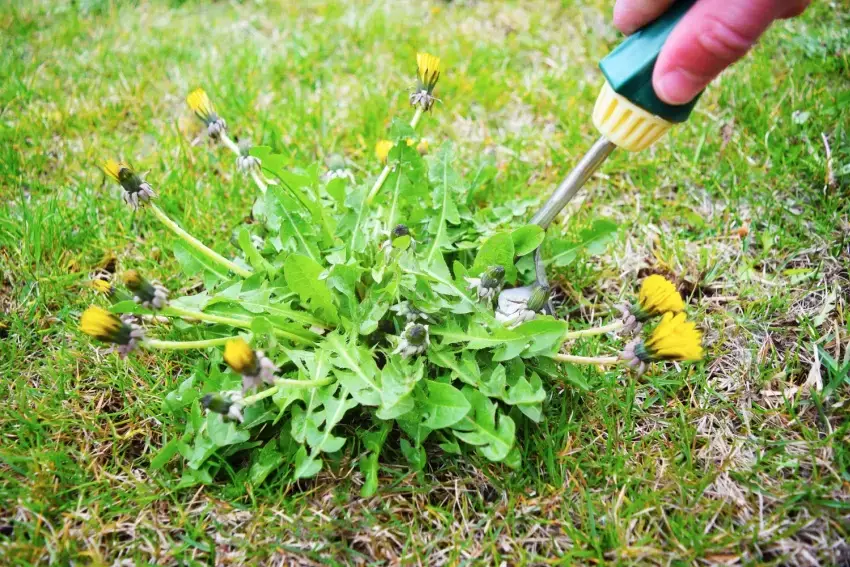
[{"x": 573, "y": 182}]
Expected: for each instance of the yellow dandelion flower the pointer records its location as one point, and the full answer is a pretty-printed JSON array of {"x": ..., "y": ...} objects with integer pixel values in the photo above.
[
  {"x": 254, "y": 366},
  {"x": 201, "y": 105},
  {"x": 428, "y": 67},
  {"x": 99, "y": 323},
  {"x": 240, "y": 357},
  {"x": 422, "y": 146},
  {"x": 102, "y": 286},
  {"x": 428, "y": 73},
  {"x": 675, "y": 339},
  {"x": 382, "y": 150},
  {"x": 203, "y": 108},
  {"x": 658, "y": 295},
  {"x": 107, "y": 327},
  {"x": 113, "y": 169},
  {"x": 136, "y": 189},
  {"x": 149, "y": 294}
]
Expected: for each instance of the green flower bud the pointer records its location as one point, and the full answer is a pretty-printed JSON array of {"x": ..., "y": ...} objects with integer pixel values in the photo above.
[
  {"x": 493, "y": 276},
  {"x": 538, "y": 298},
  {"x": 216, "y": 403},
  {"x": 416, "y": 335}
]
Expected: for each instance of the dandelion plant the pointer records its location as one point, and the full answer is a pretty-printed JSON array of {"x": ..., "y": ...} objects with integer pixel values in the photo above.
[{"x": 359, "y": 312}]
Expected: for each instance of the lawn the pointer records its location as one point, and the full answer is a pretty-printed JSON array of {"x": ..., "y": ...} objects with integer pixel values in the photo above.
[{"x": 743, "y": 458}]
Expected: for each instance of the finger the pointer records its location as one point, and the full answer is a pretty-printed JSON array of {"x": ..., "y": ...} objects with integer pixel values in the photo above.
[
  {"x": 795, "y": 8},
  {"x": 711, "y": 36},
  {"x": 629, "y": 15}
]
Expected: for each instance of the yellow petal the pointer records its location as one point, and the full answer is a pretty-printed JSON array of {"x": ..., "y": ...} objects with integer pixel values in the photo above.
[
  {"x": 99, "y": 323},
  {"x": 101, "y": 286},
  {"x": 382, "y": 150},
  {"x": 658, "y": 295},
  {"x": 675, "y": 339},
  {"x": 200, "y": 104},
  {"x": 112, "y": 168},
  {"x": 239, "y": 356},
  {"x": 428, "y": 67}
]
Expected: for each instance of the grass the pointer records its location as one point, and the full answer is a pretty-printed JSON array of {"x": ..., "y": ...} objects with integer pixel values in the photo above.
[{"x": 733, "y": 461}]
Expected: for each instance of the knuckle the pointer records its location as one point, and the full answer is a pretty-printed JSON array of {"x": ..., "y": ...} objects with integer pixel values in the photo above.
[{"x": 721, "y": 40}]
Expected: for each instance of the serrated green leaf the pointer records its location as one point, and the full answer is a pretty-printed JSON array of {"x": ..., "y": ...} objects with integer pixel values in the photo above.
[
  {"x": 306, "y": 466},
  {"x": 302, "y": 277},
  {"x": 357, "y": 370},
  {"x": 575, "y": 376},
  {"x": 593, "y": 240},
  {"x": 223, "y": 432},
  {"x": 415, "y": 454},
  {"x": 444, "y": 405},
  {"x": 185, "y": 394},
  {"x": 255, "y": 259},
  {"x": 164, "y": 455},
  {"x": 492, "y": 433},
  {"x": 527, "y": 238},
  {"x": 194, "y": 263},
  {"x": 498, "y": 250},
  {"x": 398, "y": 378},
  {"x": 444, "y": 178},
  {"x": 268, "y": 459},
  {"x": 285, "y": 217},
  {"x": 466, "y": 369}
]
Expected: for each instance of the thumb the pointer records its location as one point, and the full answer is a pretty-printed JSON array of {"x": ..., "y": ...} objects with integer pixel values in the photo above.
[{"x": 712, "y": 35}]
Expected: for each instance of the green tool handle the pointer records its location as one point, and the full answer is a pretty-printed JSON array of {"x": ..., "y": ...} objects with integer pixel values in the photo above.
[{"x": 629, "y": 67}]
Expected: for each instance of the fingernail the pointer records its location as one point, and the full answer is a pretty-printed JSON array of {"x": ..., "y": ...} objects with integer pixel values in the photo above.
[{"x": 677, "y": 86}]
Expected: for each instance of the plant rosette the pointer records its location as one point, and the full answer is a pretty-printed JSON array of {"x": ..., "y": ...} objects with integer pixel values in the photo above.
[{"x": 350, "y": 310}]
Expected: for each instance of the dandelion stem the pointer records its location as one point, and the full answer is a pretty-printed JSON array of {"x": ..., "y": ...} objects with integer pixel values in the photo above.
[
  {"x": 386, "y": 171},
  {"x": 415, "y": 120},
  {"x": 284, "y": 383},
  {"x": 197, "y": 244},
  {"x": 225, "y": 139},
  {"x": 615, "y": 326},
  {"x": 378, "y": 183},
  {"x": 259, "y": 181},
  {"x": 586, "y": 359},
  {"x": 184, "y": 345},
  {"x": 232, "y": 321}
]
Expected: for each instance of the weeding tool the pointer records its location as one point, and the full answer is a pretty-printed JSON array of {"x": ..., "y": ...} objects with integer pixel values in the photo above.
[{"x": 628, "y": 113}]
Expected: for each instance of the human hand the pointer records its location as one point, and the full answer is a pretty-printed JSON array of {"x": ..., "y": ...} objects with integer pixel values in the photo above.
[{"x": 712, "y": 35}]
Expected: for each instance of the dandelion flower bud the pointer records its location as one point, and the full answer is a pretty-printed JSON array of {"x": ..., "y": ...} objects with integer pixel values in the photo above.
[
  {"x": 246, "y": 163},
  {"x": 135, "y": 188},
  {"x": 413, "y": 341},
  {"x": 255, "y": 367},
  {"x": 382, "y": 150},
  {"x": 228, "y": 405},
  {"x": 150, "y": 295},
  {"x": 521, "y": 304},
  {"x": 203, "y": 108},
  {"x": 337, "y": 169},
  {"x": 657, "y": 296},
  {"x": 673, "y": 339},
  {"x": 409, "y": 312},
  {"x": 538, "y": 298},
  {"x": 428, "y": 73},
  {"x": 107, "y": 327},
  {"x": 400, "y": 230},
  {"x": 489, "y": 284}
]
